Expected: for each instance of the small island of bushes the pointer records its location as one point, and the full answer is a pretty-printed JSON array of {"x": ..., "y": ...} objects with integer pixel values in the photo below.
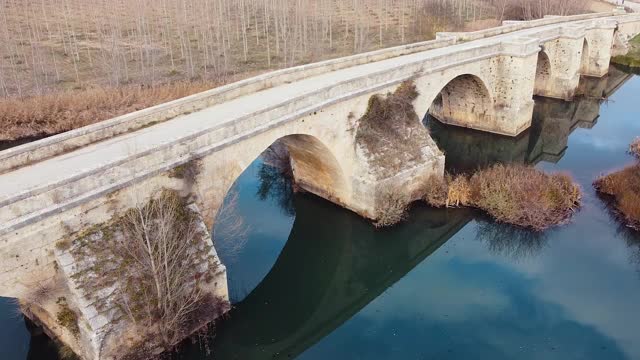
[
  {"x": 515, "y": 194},
  {"x": 622, "y": 189}
]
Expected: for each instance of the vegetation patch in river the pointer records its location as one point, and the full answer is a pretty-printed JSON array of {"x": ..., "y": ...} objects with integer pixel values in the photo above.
[
  {"x": 622, "y": 188},
  {"x": 634, "y": 148},
  {"x": 515, "y": 194}
]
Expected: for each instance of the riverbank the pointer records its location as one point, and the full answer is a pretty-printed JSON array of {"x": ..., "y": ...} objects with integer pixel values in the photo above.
[
  {"x": 41, "y": 116},
  {"x": 632, "y": 58},
  {"x": 622, "y": 190}
]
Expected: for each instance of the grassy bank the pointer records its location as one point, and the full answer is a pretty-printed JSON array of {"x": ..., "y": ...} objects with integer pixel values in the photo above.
[
  {"x": 515, "y": 194},
  {"x": 622, "y": 189},
  {"x": 632, "y": 58},
  {"x": 62, "y": 111}
]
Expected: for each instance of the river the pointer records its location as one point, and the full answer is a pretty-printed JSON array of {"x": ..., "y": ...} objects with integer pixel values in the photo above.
[{"x": 310, "y": 280}]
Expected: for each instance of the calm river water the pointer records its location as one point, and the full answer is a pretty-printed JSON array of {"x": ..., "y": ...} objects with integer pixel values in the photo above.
[{"x": 314, "y": 281}]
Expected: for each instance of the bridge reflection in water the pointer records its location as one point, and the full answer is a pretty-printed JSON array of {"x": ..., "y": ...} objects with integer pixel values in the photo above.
[
  {"x": 334, "y": 263},
  {"x": 546, "y": 140}
]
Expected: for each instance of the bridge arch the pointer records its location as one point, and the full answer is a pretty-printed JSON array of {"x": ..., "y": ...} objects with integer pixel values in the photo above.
[
  {"x": 465, "y": 99},
  {"x": 310, "y": 161},
  {"x": 585, "y": 59},
  {"x": 543, "y": 71}
]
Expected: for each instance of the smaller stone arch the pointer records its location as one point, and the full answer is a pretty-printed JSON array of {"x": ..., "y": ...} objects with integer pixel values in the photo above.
[
  {"x": 315, "y": 167},
  {"x": 543, "y": 73},
  {"x": 464, "y": 101},
  {"x": 543, "y": 66},
  {"x": 585, "y": 57}
]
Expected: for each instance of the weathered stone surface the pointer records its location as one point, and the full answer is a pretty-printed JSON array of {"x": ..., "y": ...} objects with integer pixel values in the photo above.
[{"x": 95, "y": 323}]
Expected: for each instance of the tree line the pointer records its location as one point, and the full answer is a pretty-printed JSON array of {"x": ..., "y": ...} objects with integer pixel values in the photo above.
[{"x": 64, "y": 44}]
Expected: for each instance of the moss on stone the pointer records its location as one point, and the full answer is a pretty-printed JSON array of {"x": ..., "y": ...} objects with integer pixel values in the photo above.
[
  {"x": 632, "y": 58},
  {"x": 67, "y": 318}
]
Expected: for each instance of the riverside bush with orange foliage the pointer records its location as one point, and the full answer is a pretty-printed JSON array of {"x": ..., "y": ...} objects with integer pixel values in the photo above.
[
  {"x": 515, "y": 194},
  {"x": 623, "y": 188},
  {"x": 63, "y": 111}
]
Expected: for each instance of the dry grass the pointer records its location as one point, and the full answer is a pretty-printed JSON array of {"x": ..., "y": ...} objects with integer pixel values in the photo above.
[
  {"x": 392, "y": 208},
  {"x": 46, "y": 45},
  {"x": 390, "y": 132},
  {"x": 514, "y": 194},
  {"x": 623, "y": 188},
  {"x": 63, "y": 111},
  {"x": 634, "y": 148},
  {"x": 436, "y": 191}
]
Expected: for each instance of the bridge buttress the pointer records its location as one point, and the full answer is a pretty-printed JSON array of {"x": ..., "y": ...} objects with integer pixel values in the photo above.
[
  {"x": 600, "y": 40},
  {"x": 513, "y": 89},
  {"x": 565, "y": 56}
]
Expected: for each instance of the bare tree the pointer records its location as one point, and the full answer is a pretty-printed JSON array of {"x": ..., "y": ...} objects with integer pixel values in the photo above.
[{"x": 156, "y": 259}]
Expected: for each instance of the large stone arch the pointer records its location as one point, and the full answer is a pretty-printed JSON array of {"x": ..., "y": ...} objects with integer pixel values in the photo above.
[
  {"x": 465, "y": 100},
  {"x": 315, "y": 168}
]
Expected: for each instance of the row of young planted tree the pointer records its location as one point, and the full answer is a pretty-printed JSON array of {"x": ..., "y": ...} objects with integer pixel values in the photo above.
[{"x": 54, "y": 44}]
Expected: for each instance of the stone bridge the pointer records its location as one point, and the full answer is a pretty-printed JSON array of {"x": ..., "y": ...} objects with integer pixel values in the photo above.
[{"x": 485, "y": 80}]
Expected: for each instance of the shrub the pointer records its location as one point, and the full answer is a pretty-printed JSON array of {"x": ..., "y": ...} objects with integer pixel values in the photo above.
[
  {"x": 623, "y": 188},
  {"x": 459, "y": 192},
  {"x": 513, "y": 194},
  {"x": 155, "y": 258},
  {"x": 634, "y": 148},
  {"x": 436, "y": 191},
  {"x": 524, "y": 196},
  {"x": 392, "y": 209}
]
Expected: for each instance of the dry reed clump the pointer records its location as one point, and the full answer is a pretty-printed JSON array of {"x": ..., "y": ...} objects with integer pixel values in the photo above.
[
  {"x": 437, "y": 190},
  {"x": 634, "y": 148},
  {"x": 62, "y": 111},
  {"x": 623, "y": 188},
  {"x": 514, "y": 194},
  {"x": 392, "y": 208}
]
